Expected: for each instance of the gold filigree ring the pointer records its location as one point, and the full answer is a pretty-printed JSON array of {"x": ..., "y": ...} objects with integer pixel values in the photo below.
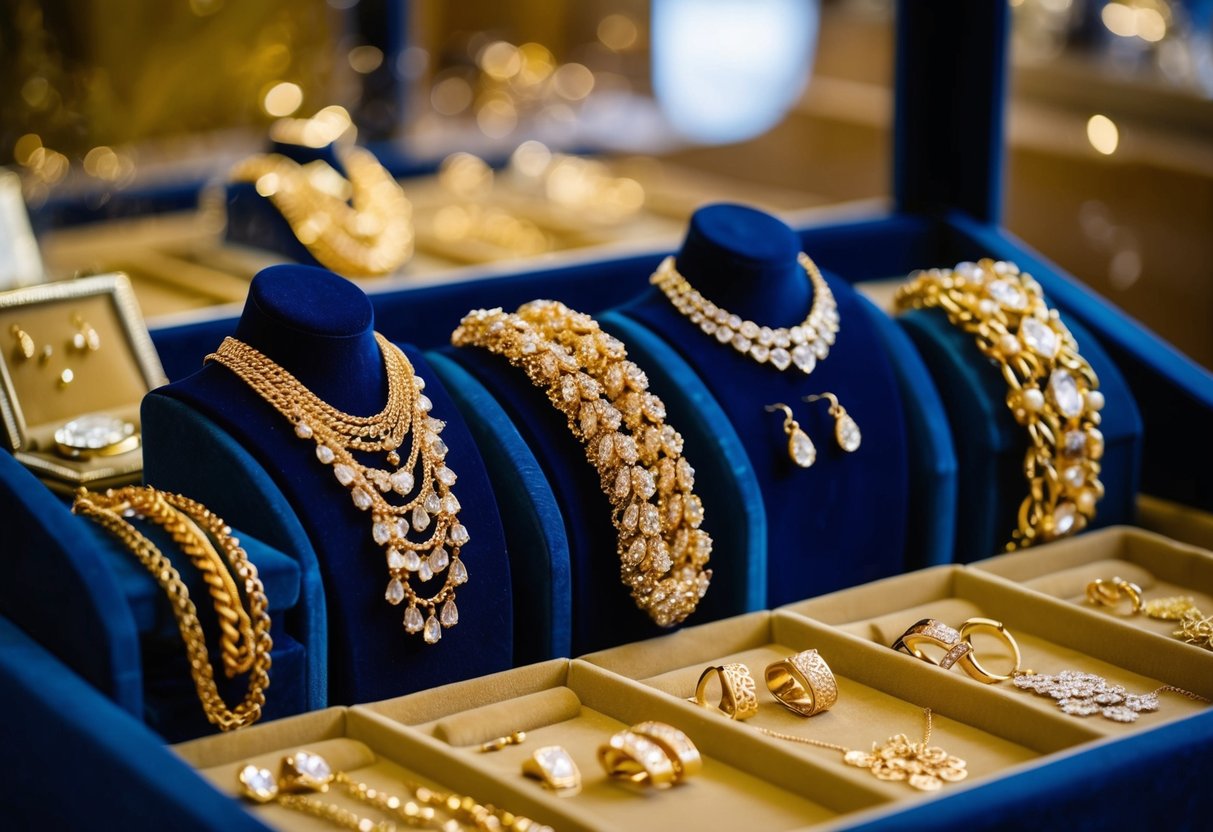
[
  {"x": 970, "y": 664},
  {"x": 738, "y": 698},
  {"x": 803, "y": 683},
  {"x": 677, "y": 746},
  {"x": 1110, "y": 593},
  {"x": 637, "y": 759},
  {"x": 554, "y": 767},
  {"x": 933, "y": 632}
]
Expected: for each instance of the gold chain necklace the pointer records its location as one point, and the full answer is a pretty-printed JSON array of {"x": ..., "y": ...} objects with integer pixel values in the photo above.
[
  {"x": 368, "y": 236},
  {"x": 245, "y": 636},
  {"x": 924, "y": 767},
  {"x": 423, "y": 474},
  {"x": 802, "y": 345}
]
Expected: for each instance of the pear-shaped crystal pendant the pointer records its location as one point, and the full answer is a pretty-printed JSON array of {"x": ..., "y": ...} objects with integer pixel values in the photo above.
[
  {"x": 801, "y": 448},
  {"x": 846, "y": 431}
]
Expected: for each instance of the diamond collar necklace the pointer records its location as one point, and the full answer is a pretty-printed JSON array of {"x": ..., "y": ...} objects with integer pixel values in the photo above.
[{"x": 801, "y": 346}]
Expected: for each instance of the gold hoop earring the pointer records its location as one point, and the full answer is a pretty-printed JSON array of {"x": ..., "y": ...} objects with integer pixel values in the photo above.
[
  {"x": 846, "y": 431},
  {"x": 800, "y": 447}
]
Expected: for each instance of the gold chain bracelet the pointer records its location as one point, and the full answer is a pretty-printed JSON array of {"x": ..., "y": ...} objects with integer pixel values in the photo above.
[
  {"x": 587, "y": 377},
  {"x": 368, "y": 236},
  {"x": 422, "y": 478},
  {"x": 1053, "y": 392},
  {"x": 192, "y": 526}
]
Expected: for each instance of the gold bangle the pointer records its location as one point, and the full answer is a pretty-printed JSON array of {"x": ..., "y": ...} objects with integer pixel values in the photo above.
[
  {"x": 245, "y": 636},
  {"x": 1053, "y": 392},
  {"x": 369, "y": 236},
  {"x": 605, "y": 398},
  {"x": 970, "y": 663},
  {"x": 737, "y": 690},
  {"x": 803, "y": 683}
]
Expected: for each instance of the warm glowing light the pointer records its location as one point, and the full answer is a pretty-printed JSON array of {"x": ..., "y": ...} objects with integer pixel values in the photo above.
[
  {"x": 36, "y": 92},
  {"x": 537, "y": 63},
  {"x": 365, "y": 59},
  {"x": 1120, "y": 19},
  {"x": 497, "y": 117},
  {"x": 501, "y": 61},
  {"x": 451, "y": 96},
  {"x": 103, "y": 163},
  {"x": 573, "y": 81},
  {"x": 1151, "y": 25},
  {"x": 618, "y": 32},
  {"x": 25, "y": 146},
  {"x": 1103, "y": 135},
  {"x": 282, "y": 99},
  {"x": 531, "y": 158}
]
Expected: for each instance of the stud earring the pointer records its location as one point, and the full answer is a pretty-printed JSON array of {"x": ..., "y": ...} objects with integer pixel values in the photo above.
[
  {"x": 25, "y": 344},
  {"x": 846, "y": 431},
  {"x": 86, "y": 338},
  {"x": 800, "y": 446}
]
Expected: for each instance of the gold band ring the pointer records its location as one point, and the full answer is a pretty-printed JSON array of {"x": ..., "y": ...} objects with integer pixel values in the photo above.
[
  {"x": 738, "y": 697},
  {"x": 803, "y": 683},
  {"x": 636, "y": 759},
  {"x": 1110, "y": 593},
  {"x": 970, "y": 664},
  {"x": 677, "y": 746},
  {"x": 933, "y": 632}
]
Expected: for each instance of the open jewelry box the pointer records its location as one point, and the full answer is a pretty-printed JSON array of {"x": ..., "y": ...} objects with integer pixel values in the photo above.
[{"x": 946, "y": 210}]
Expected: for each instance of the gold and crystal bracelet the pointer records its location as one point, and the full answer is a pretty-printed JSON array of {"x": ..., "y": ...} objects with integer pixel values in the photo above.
[
  {"x": 245, "y": 636},
  {"x": 1052, "y": 390},
  {"x": 587, "y": 377}
]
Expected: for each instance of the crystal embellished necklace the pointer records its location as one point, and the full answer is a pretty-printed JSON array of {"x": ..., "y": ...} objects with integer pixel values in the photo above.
[
  {"x": 802, "y": 345},
  {"x": 421, "y": 479}
]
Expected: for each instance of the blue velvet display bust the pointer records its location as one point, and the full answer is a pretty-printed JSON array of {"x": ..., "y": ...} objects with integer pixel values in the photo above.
[
  {"x": 842, "y": 521},
  {"x": 320, "y": 328}
]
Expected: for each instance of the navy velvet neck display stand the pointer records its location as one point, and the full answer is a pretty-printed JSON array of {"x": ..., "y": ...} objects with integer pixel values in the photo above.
[
  {"x": 842, "y": 521},
  {"x": 320, "y": 328}
]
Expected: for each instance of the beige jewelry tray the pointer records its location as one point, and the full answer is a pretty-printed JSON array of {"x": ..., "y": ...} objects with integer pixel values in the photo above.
[
  {"x": 433, "y": 736},
  {"x": 1160, "y": 566}
]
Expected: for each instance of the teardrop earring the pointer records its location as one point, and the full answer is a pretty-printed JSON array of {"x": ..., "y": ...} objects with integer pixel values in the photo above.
[
  {"x": 25, "y": 344},
  {"x": 846, "y": 431},
  {"x": 86, "y": 339},
  {"x": 800, "y": 446}
]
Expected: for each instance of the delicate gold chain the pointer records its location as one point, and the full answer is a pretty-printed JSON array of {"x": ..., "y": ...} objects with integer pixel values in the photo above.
[
  {"x": 422, "y": 478},
  {"x": 334, "y": 814},
  {"x": 1053, "y": 392},
  {"x": 370, "y": 237},
  {"x": 190, "y": 523},
  {"x": 587, "y": 377},
  {"x": 802, "y": 345},
  {"x": 919, "y": 765}
]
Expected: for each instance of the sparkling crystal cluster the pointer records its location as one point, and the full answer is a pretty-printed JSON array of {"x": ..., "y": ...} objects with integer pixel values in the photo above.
[
  {"x": 1085, "y": 694},
  {"x": 621, "y": 424},
  {"x": 1053, "y": 392}
]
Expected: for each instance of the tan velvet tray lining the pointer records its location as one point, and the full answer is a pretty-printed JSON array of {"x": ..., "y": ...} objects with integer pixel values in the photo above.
[
  {"x": 1161, "y": 567},
  {"x": 1052, "y": 636}
]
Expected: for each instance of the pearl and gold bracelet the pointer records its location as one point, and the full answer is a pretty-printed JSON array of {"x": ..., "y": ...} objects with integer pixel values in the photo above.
[{"x": 1052, "y": 390}]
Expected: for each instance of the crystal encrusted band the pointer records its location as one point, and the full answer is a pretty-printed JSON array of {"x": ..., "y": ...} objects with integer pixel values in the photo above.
[
  {"x": 1053, "y": 392},
  {"x": 587, "y": 377}
]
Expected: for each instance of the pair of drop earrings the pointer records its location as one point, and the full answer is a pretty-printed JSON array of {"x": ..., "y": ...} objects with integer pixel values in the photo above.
[
  {"x": 800, "y": 447},
  {"x": 85, "y": 339}
]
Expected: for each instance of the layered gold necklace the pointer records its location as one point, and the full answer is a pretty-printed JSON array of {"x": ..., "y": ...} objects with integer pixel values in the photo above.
[{"x": 420, "y": 536}]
